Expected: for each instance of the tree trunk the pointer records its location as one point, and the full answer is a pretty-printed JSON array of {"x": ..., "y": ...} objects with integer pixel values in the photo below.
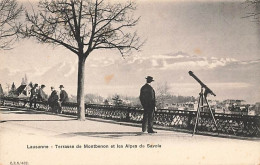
[{"x": 80, "y": 92}]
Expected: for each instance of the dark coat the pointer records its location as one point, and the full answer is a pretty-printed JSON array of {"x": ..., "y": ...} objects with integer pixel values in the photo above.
[
  {"x": 147, "y": 96},
  {"x": 54, "y": 98},
  {"x": 64, "y": 96},
  {"x": 42, "y": 96},
  {"x": 34, "y": 93}
]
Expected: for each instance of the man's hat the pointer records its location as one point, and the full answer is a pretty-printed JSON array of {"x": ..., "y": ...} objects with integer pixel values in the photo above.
[
  {"x": 42, "y": 86},
  {"x": 35, "y": 85},
  {"x": 61, "y": 86},
  {"x": 149, "y": 78}
]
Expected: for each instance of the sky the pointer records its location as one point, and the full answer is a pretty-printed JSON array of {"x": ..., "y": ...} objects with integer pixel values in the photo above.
[{"x": 210, "y": 38}]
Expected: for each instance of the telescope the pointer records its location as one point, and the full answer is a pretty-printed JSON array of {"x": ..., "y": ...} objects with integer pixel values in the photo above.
[
  {"x": 201, "y": 101},
  {"x": 207, "y": 90}
]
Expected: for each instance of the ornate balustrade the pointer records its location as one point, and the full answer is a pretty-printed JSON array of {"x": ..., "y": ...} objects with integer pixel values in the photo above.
[
  {"x": 107, "y": 112},
  {"x": 231, "y": 124}
]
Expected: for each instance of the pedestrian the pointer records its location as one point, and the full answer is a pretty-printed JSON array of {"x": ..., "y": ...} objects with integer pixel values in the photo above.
[
  {"x": 34, "y": 95},
  {"x": 63, "y": 97},
  {"x": 42, "y": 96},
  {"x": 147, "y": 98},
  {"x": 53, "y": 100}
]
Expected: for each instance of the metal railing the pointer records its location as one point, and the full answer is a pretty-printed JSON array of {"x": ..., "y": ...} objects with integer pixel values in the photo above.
[{"x": 228, "y": 124}]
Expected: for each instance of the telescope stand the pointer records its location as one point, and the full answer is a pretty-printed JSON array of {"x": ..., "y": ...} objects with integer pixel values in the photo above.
[{"x": 203, "y": 95}]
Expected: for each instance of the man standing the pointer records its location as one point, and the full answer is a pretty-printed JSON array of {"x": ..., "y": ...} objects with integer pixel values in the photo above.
[
  {"x": 147, "y": 98},
  {"x": 33, "y": 96},
  {"x": 63, "y": 97},
  {"x": 53, "y": 100}
]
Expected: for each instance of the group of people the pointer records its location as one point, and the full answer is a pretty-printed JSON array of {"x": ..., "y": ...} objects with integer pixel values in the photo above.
[{"x": 55, "y": 100}]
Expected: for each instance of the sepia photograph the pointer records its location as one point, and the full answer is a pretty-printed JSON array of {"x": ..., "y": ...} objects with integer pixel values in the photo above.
[{"x": 130, "y": 82}]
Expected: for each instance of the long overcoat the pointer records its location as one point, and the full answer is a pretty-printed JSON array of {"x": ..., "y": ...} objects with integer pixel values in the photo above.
[
  {"x": 63, "y": 96},
  {"x": 147, "y": 97}
]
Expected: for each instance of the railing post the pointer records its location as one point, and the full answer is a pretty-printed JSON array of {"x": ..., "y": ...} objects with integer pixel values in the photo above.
[
  {"x": 189, "y": 121},
  {"x": 2, "y": 101},
  {"x": 128, "y": 114},
  {"x": 86, "y": 108}
]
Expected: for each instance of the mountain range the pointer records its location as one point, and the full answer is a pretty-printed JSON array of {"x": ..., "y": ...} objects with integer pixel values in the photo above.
[{"x": 227, "y": 76}]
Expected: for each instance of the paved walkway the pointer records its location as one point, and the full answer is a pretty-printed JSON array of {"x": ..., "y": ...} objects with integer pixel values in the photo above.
[{"x": 39, "y": 138}]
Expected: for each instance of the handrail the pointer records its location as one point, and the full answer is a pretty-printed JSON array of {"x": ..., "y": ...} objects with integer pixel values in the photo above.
[{"x": 235, "y": 124}]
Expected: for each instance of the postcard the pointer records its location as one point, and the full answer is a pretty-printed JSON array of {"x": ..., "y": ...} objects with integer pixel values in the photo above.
[{"x": 129, "y": 82}]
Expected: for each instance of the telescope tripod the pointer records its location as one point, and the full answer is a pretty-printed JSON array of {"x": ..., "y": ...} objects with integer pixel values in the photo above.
[{"x": 202, "y": 97}]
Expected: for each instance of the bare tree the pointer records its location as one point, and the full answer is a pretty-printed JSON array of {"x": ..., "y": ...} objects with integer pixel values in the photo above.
[
  {"x": 83, "y": 26},
  {"x": 10, "y": 12},
  {"x": 162, "y": 94},
  {"x": 255, "y": 10}
]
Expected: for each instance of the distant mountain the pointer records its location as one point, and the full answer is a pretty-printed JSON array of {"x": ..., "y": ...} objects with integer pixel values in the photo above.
[{"x": 227, "y": 77}]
